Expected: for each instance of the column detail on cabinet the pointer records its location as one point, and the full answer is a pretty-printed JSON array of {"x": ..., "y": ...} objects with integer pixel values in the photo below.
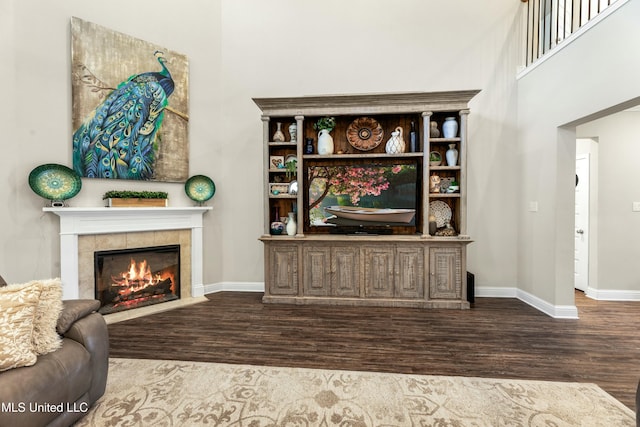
[
  {"x": 464, "y": 114},
  {"x": 426, "y": 126},
  {"x": 265, "y": 174},
  {"x": 300, "y": 171}
]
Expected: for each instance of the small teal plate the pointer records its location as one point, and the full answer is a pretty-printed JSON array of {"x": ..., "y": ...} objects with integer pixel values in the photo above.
[
  {"x": 200, "y": 188},
  {"x": 55, "y": 182}
]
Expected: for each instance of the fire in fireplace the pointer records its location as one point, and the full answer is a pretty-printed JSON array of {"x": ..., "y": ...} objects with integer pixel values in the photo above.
[{"x": 132, "y": 278}]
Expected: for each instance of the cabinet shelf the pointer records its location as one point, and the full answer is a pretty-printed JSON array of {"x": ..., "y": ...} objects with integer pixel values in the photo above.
[
  {"x": 444, "y": 140},
  {"x": 282, "y": 196},
  {"x": 282, "y": 144},
  {"x": 443, "y": 195},
  {"x": 278, "y": 170},
  {"x": 362, "y": 155},
  {"x": 444, "y": 168}
]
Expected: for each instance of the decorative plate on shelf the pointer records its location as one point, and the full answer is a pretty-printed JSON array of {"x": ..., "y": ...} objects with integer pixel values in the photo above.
[
  {"x": 441, "y": 211},
  {"x": 365, "y": 133},
  {"x": 55, "y": 182},
  {"x": 290, "y": 158},
  {"x": 200, "y": 188}
]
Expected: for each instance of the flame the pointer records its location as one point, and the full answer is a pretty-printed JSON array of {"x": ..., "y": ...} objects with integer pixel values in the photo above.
[{"x": 139, "y": 276}]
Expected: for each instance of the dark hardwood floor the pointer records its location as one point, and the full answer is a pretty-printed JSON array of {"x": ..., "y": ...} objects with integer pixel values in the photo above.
[{"x": 497, "y": 338}]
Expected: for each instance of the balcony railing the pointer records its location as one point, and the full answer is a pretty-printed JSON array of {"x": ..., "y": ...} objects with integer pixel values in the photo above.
[{"x": 550, "y": 22}]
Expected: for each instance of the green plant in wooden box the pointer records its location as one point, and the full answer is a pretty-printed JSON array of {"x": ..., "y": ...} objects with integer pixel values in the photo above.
[{"x": 126, "y": 198}]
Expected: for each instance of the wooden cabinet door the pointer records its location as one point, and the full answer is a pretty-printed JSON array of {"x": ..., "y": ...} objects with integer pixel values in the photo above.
[
  {"x": 317, "y": 271},
  {"x": 445, "y": 267},
  {"x": 345, "y": 268},
  {"x": 410, "y": 272},
  {"x": 283, "y": 270},
  {"x": 378, "y": 271}
]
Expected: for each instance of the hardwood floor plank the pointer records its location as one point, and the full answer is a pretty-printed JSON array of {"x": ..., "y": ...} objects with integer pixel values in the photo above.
[{"x": 497, "y": 338}]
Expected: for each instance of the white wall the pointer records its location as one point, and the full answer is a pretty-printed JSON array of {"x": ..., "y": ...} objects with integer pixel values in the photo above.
[
  {"x": 584, "y": 81},
  {"x": 293, "y": 48},
  {"x": 240, "y": 49},
  {"x": 617, "y": 175},
  {"x": 36, "y": 114}
]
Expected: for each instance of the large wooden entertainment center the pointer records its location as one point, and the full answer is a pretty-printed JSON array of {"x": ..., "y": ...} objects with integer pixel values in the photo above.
[{"x": 389, "y": 265}]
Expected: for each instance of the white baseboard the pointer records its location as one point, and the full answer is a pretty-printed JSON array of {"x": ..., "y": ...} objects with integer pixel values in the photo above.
[
  {"x": 612, "y": 295},
  {"x": 555, "y": 311},
  {"x": 234, "y": 287},
  {"x": 492, "y": 292}
]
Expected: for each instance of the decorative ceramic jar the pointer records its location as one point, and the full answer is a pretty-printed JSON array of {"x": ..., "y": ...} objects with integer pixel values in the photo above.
[
  {"x": 277, "y": 226},
  {"x": 293, "y": 132},
  {"x": 450, "y": 127},
  {"x": 308, "y": 146},
  {"x": 433, "y": 130},
  {"x": 278, "y": 136},
  {"x": 325, "y": 142},
  {"x": 395, "y": 144},
  {"x": 451, "y": 155},
  {"x": 292, "y": 227}
]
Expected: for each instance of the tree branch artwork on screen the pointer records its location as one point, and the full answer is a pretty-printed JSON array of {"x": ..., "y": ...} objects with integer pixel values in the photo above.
[{"x": 362, "y": 195}]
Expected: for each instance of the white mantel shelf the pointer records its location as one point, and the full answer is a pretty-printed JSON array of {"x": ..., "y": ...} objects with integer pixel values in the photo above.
[
  {"x": 103, "y": 220},
  {"x": 121, "y": 220}
]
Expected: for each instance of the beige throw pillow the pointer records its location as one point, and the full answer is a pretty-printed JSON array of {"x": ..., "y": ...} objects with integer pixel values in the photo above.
[
  {"x": 17, "y": 312},
  {"x": 45, "y": 337}
]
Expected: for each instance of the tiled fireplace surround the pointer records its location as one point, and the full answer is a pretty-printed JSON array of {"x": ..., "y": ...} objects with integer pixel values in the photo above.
[{"x": 86, "y": 230}]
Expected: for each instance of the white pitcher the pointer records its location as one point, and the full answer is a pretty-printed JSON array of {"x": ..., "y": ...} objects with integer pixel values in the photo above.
[
  {"x": 395, "y": 144},
  {"x": 325, "y": 142}
]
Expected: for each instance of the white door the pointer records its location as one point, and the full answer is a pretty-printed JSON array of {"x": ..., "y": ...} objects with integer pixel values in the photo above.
[{"x": 581, "y": 258}]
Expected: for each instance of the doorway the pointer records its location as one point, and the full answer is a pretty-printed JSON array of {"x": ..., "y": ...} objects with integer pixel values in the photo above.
[{"x": 581, "y": 225}]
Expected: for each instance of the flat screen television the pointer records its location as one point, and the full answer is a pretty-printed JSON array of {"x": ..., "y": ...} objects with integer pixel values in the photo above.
[{"x": 377, "y": 197}]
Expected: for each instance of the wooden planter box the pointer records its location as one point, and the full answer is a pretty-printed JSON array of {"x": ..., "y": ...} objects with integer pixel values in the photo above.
[{"x": 136, "y": 203}]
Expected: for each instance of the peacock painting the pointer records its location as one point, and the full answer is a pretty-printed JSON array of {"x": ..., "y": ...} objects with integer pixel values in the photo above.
[
  {"x": 118, "y": 139},
  {"x": 121, "y": 132}
]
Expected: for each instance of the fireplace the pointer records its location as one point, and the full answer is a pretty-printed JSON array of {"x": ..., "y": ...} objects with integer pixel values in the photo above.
[{"x": 136, "y": 277}]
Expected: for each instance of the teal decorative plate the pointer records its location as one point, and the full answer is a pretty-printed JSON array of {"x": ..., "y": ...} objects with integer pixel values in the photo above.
[
  {"x": 55, "y": 182},
  {"x": 200, "y": 188}
]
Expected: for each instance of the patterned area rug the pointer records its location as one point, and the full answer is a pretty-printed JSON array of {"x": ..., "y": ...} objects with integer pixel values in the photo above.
[{"x": 177, "y": 393}]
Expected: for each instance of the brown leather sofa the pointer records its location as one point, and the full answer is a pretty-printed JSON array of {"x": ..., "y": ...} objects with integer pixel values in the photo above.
[{"x": 63, "y": 384}]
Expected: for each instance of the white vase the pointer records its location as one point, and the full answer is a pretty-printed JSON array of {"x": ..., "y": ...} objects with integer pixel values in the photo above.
[
  {"x": 451, "y": 155},
  {"x": 396, "y": 143},
  {"x": 278, "y": 136},
  {"x": 450, "y": 127},
  {"x": 293, "y": 132},
  {"x": 325, "y": 142},
  {"x": 292, "y": 227}
]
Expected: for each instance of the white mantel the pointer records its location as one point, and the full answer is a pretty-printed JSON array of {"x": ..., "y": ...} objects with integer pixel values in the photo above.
[{"x": 94, "y": 220}]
